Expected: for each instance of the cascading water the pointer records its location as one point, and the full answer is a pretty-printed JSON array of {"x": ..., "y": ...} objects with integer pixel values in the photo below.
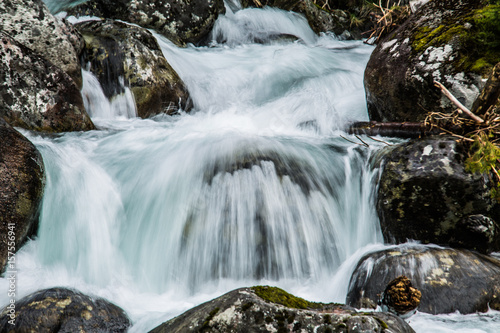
[{"x": 255, "y": 186}]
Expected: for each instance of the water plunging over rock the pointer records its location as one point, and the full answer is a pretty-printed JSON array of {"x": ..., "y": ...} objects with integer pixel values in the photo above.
[{"x": 117, "y": 50}]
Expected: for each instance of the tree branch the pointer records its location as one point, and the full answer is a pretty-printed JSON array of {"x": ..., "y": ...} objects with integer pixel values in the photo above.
[{"x": 457, "y": 103}]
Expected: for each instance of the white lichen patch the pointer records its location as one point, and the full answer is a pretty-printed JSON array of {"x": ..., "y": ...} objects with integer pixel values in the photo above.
[
  {"x": 388, "y": 44},
  {"x": 427, "y": 150},
  {"x": 228, "y": 316}
]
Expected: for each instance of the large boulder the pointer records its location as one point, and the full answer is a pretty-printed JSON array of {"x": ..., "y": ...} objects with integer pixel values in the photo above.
[
  {"x": 181, "y": 21},
  {"x": 21, "y": 189},
  {"x": 449, "y": 280},
  {"x": 37, "y": 95},
  {"x": 30, "y": 23},
  {"x": 453, "y": 42},
  {"x": 116, "y": 49},
  {"x": 425, "y": 194},
  {"x": 270, "y": 309},
  {"x": 62, "y": 310}
]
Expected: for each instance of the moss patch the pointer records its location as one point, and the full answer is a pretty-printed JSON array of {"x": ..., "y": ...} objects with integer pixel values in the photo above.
[
  {"x": 477, "y": 32},
  {"x": 279, "y": 296}
]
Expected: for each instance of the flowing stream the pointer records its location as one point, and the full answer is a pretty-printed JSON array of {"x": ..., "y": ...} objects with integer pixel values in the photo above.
[{"x": 256, "y": 185}]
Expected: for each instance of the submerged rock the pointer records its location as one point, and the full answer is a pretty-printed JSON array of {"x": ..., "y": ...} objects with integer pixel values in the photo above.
[
  {"x": 180, "y": 21},
  {"x": 63, "y": 310},
  {"x": 270, "y": 309},
  {"x": 30, "y": 23},
  {"x": 117, "y": 50},
  {"x": 441, "y": 42},
  {"x": 37, "y": 95},
  {"x": 449, "y": 280},
  {"x": 21, "y": 189},
  {"x": 425, "y": 194}
]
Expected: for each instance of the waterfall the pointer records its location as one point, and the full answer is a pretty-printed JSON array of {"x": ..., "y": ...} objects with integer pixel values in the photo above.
[{"x": 256, "y": 185}]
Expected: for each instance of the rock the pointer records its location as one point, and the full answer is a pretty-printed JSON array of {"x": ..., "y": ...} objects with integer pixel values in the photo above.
[
  {"x": 425, "y": 194},
  {"x": 400, "y": 297},
  {"x": 64, "y": 310},
  {"x": 37, "y": 95},
  {"x": 490, "y": 96},
  {"x": 30, "y": 23},
  {"x": 21, "y": 189},
  {"x": 181, "y": 21},
  {"x": 116, "y": 49},
  {"x": 449, "y": 280},
  {"x": 439, "y": 42},
  {"x": 270, "y": 309}
]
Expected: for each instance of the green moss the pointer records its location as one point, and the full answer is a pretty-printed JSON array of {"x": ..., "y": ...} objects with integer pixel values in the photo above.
[
  {"x": 279, "y": 296},
  {"x": 477, "y": 31},
  {"x": 484, "y": 158},
  {"x": 382, "y": 323}
]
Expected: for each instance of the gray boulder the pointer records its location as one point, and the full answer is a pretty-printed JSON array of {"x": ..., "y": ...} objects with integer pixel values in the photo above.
[
  {"x": 425, "y": 194},
  {"x": 63, "y": 310},
  {"x": 449, "y": 280},
  {"x": 21, "y": 188},
  {"x": 37, "y": 95},
  {"x": 453, "y": 42},
  {"x": 270, "y": 309},
  {"x": 30, "y": 23},
  {"x": 115, "y": 49},
  {"x": 180, "y": 21}
]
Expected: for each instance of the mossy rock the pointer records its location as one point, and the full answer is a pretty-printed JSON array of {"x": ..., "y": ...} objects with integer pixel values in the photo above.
[
  {"x": 244, "y": 310},
  {"x": 180, "y": 21},
  {"x": 426, "y": 194},
  {"x": 454, "y": 42},
  {"x": 449, "y": 280},
  {"x": 63, "y": 310}
]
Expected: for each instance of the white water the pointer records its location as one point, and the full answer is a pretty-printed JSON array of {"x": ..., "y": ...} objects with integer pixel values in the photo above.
[{"x": 254, "y": 186}]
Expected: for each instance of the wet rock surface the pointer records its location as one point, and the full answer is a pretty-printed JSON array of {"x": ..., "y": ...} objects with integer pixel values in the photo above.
[
  {"x": 30, "y": 23},
  {"x": 180, "y": 21},
  {"x": 37, "y": 95},
  {"x": 450, "y": 280},
  {"x": 64, "y": 310},
  {"x": 425, "y": 194},
  {"x": 21, "y": 188},
  {"x": 117, "y": 51},
  {"x": 262, "y": 309},
  {"x": 436, "y": 43}
]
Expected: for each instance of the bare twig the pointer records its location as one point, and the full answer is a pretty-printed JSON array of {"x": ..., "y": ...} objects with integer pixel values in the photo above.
[
  {"x": 362, "y": 141},
  {"x": 359, "y": 144},
  {"x": 457, "y": 103},
  {"x": 387, "y": 143}
]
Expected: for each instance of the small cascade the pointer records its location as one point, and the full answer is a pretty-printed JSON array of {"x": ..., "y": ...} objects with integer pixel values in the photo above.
[{"x": 98, "y": 106}]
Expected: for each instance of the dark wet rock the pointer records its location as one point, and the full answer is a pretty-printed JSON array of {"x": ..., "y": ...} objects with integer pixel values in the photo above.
[
  {"x": 400, "y": 297},
  {"x": 261, "y": 309},
  {"x": 425, "y": 194},
  {"x": 37, "y": 95},
  {"x": 441, "y": 42},
  {"x": 450, "y": 280},
  {"x": 64, "y": 310},
  {"x": 118, "y": 50},
  {"x": 21, "y": 188},
  {"x": 30, "y": 23},
  {"x": 180, "y": 21}
]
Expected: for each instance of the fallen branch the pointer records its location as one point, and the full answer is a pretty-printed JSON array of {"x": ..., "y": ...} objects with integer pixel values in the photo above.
[
  {"x": 404, "y": 130},
  {"x": 457, "y": 103}
]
